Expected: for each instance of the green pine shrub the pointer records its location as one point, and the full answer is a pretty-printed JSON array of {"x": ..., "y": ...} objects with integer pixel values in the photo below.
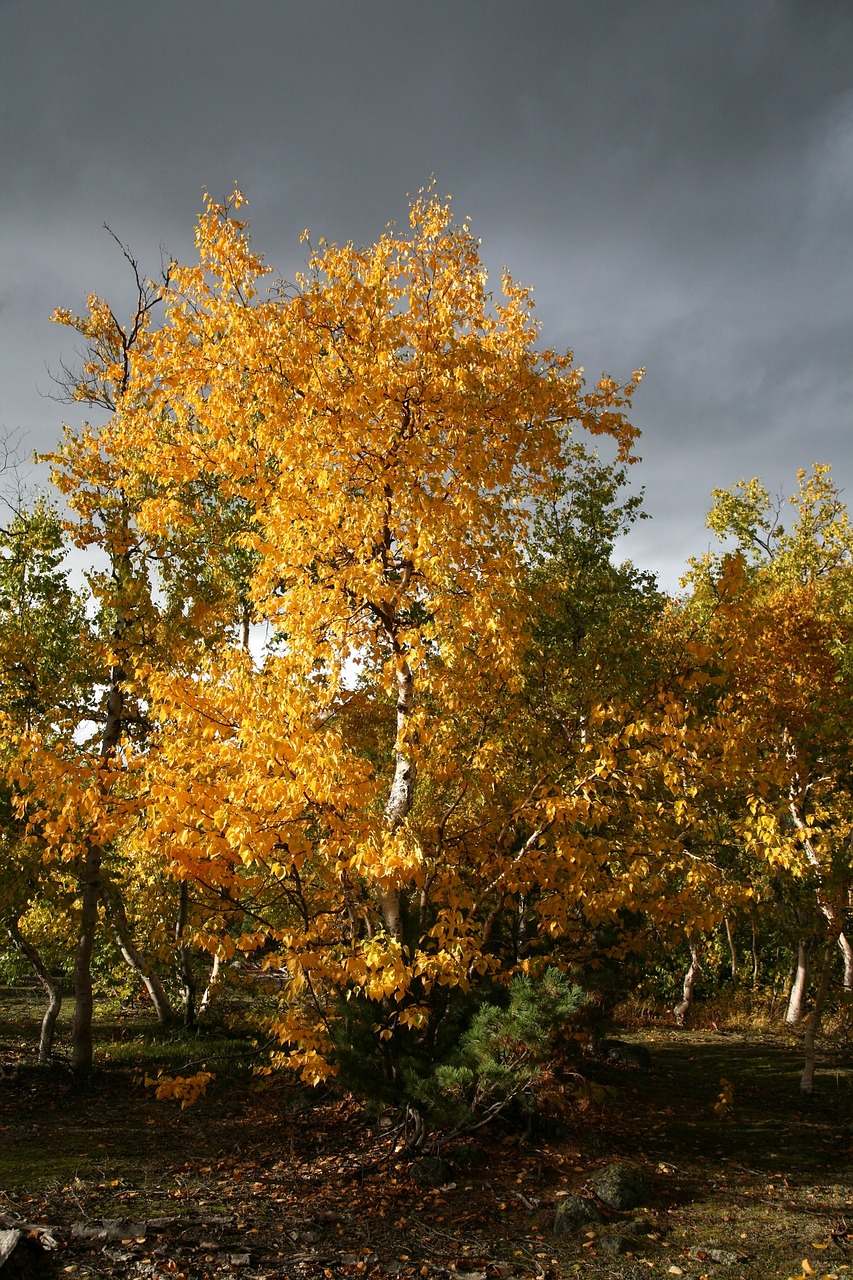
[{"x": 515, "y": 1058}]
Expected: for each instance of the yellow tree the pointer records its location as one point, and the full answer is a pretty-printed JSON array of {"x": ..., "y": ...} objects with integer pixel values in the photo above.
[
  {"x": 367, "y": 445},
  {"x": 46, "y": 673},
  {"x": 783, "y": 644},
  {"x": 76, "y": 786}
]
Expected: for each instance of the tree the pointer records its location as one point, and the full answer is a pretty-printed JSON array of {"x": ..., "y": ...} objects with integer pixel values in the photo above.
[
  {"x": 75, "y": 785},
  {"x": 365, "y": 448},
  {"x": 45, "y": 673},
  {"x": 783, "y": 642}
]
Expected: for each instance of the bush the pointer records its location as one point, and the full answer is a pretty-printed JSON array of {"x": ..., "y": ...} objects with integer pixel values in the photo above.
[{"x": 513, "y": 1058}]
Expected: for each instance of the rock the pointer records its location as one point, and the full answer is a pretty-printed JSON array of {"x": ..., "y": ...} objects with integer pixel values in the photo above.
[
  {"x": 627, "y": 1055},
  {"x": 614, "y": 1242},
  {"x": 573, "y": 1213},
  {"x": 639, "y": 1227},
  {"x": 549, "y": 1128},
  {"x": 112, "y": 1229},
  {"x": 431, "y": 1171},
  {"x": 22, "y": 1257},
  {"x": 8, "y": 1243},
  {"x": 622, "y": 1186}
]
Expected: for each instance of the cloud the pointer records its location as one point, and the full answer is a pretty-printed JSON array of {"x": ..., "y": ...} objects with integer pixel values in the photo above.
[{"x": 674, "y": 180}]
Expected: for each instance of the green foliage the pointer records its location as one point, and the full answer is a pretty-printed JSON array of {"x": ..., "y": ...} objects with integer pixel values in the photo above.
[
  {"x": 592, "y": 615},
  {"x": 510, "y": 1057},
  {"x": 45, "y": 666},
  {"x": 383, "y": 1070}
]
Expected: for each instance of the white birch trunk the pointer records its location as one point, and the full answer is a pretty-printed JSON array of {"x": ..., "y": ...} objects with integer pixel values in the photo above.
[
  {"x": 795, "y": 1011},
  {"x": 834, "y": 921},
  {"x": 402, "y": 794},
  {"x": 188, "y": 983},
  {"x": 730, "y": 938},
  {"x": 683, "y": 1009},
  {"x": 81, "y": 1035},
  {"x": 212, "y": 983},
  {"x": 133, "y": 956},
  {"x": 847, "y": 953}
]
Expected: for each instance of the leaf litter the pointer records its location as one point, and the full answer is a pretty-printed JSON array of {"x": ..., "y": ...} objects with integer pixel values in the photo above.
[{"x": 283, "y": 1182}]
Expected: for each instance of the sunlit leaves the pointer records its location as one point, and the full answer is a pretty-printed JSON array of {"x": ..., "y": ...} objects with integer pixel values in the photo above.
[{"x": 350, "y": 464}]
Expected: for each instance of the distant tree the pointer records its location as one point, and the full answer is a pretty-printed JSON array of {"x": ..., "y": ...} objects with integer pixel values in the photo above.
[
  {"x": 45, "y": 675},
  {"x": 782, "y": 640}
]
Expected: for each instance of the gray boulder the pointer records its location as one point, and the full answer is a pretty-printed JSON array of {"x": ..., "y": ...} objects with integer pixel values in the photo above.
[
  {"x": 622, "y": 1186},
  {"x": 616, "y": 1243},
  {"x": 639, "y": 1227},
  {"x": 573, "y": 1213}
]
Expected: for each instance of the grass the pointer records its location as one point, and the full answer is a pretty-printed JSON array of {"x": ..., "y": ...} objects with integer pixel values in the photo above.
[{"x": 128, "y": 1038}]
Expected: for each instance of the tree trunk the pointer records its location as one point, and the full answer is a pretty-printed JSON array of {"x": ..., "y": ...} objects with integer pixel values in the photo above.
[
  {"x": 847, "y": 952},
  {"x": 212, "y": 983},
  {"x": 813, "y": 1024},
  {"x": 402, "y": 793},
  {"x": 683, "y": 1008},
  {"x": 51, "y": 987},
  {"x": 81, "y": 1035},
  {"x": 730, "y": 938},
  {"x": 121, "y": 928},
  {"x": 796, "y": 1009},
  {"x": 188, "y": 984},
  {"x": 754, "y": 956},
  {"x": 833, "y": 914}
]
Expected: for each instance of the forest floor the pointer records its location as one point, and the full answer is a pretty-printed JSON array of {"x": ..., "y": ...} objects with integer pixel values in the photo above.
[{"x": 262, "y": 1179}]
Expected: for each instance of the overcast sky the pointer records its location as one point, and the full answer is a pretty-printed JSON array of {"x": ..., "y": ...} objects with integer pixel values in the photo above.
[{"x": 673, "y": 177}]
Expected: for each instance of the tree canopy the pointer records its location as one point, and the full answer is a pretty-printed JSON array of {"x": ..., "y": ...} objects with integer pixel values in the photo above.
[{"x": 361, "y": 691}]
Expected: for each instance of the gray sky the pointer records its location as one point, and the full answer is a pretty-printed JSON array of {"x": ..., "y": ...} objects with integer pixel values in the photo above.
[{"x": 674, "y": 178}]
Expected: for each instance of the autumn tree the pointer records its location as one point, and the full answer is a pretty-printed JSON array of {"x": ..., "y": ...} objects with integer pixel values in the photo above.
[
  {"x": 75, "y": 787},
  {"x": 45, "y": 677},
  {"x": 782, "y": 641},
  {"x": 364, "y": 448}
]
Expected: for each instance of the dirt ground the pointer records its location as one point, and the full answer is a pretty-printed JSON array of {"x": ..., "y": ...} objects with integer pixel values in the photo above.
[{"x": 278, "y": 1182}]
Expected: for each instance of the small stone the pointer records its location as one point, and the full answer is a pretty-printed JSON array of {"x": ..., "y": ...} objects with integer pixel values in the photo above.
[
  {"x": 639, "y": 1227},
  {"x": 573, "y": 1213},
  {"x": 627, "y": 1055},
  {"x": 469, "y": 1156},
  {"x": 614, "y": 1242},
  {"x": 622, "y": 1186}
]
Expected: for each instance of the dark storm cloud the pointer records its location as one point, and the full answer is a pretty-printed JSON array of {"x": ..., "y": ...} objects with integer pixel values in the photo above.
[{"x": 675, "y": 179}]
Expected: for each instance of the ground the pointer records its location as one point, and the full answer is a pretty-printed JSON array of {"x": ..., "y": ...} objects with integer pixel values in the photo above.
[{"x": 265, "y": 1179}]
